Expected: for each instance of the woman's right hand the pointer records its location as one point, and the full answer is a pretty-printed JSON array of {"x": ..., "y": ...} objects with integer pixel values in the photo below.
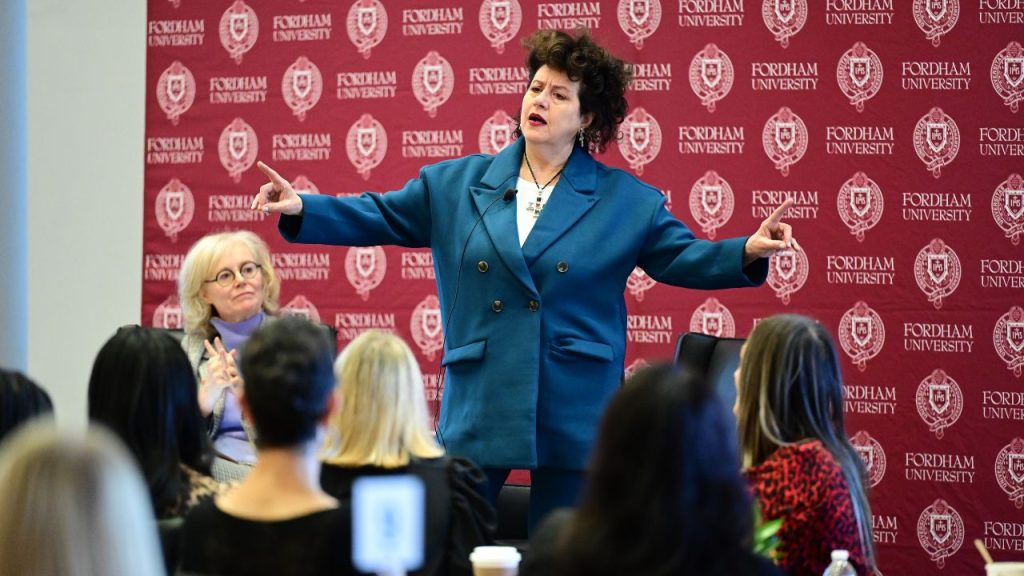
[
  {"x": 276, "y": 196},
  {"x": 221, "y": 372}
]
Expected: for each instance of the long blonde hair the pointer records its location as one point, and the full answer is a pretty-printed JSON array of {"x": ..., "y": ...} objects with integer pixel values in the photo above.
[
  {"x": 73, "y": 505},
  {"x": 383, "y": 418},
  {"x": 791, "y": 390},
  {"x": 198, "y": 266}
]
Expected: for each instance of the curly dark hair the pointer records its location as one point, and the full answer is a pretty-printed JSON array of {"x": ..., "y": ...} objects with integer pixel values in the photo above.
[{"x": 603, "y": 78}]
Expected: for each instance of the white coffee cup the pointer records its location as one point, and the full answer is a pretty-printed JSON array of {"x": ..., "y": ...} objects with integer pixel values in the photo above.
[
  {"x": 1004, "y": 569},
  {"x": 495, "y": 561}
]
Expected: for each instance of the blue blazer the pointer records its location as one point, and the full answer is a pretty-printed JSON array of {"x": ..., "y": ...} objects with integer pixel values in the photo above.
[{"x": 537, "y": 339}]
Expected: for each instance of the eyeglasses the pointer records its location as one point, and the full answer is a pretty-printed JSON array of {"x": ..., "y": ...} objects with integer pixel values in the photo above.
[{"x": 226, "y": 277}]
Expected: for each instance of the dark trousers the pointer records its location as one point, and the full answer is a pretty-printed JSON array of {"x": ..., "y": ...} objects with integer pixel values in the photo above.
[{"x": 550, "y": 488}]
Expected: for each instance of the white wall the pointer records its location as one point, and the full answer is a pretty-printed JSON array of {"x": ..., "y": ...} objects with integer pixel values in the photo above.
[{"x": 86, "y": 97}]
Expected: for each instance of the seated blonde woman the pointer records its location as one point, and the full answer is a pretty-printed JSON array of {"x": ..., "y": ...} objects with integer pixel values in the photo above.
[
  {"x": 801, "y": 466},
  {"x": 73, "y": 504},
  {"x": 382, "y": 428},
  {"x": 228, "y": 289}
]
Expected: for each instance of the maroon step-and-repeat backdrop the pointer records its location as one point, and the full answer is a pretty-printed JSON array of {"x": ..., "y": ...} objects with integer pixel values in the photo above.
[{"x": 895, "y": 125}]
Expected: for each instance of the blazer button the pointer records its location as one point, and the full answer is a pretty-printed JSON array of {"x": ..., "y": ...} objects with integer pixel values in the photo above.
[
  {"x": 482, "y": 265},
  {"x": 563, "y": 266},
  {"x": 534, "y": 305},
  {"x": 497, "y": 306}
]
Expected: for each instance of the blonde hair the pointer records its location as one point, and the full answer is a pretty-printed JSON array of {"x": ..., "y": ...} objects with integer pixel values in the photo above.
[
  {"x": 383, "y": 419},
  {"x": 73, "y": 505},
  {"x": 198, "y": 267}
]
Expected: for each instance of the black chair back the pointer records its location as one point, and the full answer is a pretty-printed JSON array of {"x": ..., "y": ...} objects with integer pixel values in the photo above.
[{"x": 713, "y": 359}]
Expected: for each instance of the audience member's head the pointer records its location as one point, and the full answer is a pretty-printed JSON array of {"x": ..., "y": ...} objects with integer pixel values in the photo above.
[
  {"x": 383, "y": 419},
  {"x": 790, "y": 389},
  {"x": 216, "y": 270},
  {"x": 286, "y": 366},
  {"x": 20, "y": 400},
  {"x": 73, "y": 505},
  {"x": 143, "y": 389},
  {"x": 664, "y": 492}
]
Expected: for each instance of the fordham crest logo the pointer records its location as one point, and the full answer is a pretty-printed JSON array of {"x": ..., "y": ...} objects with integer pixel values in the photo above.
[
  {"x": 237, "y": 148},
  {"x": 784, "y": 18},
  {"x": 860, "y": 203},
  {"x": 432, "y": 82},
  {"x": 642, "y": 140},
  {"x": 175, "y": 206},
  {"x": 496, "y": 133},
  {"x": 168, "y": 313},
  {"x": 301, "y": 306},
  {"x": 784, "y": 139},
  {"x": 367, "y": 23},
  {"x": 239, "y": 28},
  {"x": 787, "y": 273},
  {"x": 1008, "y": 207},
  {"x": 711, "y": 76},
  {"x": 638, "y": 283},
  {"x": 936, "y": 140},
  {"x": 1010, "y": 471},
  {"x": 939, "y": 402},
  {"x": 936, "y": 18},
  {"x": 425, "y": 326},
  {"x": 713, "y": 319},
  {"x": 365, "y": 267},
  {"x": 1007, "y": 75},
  {"x": 937, "y": 271},
  {"x": 859, "y": 74},
  {"x": 711, "y": 202},
  {"x": 639, "y": 19},
  {"x": 366, "y": 144},
  {"x": 635, "y": 365},
  {"x": 176, "y": 91},
  {"x": 301, "y": 86},
  {"x": 940, "y": 530},
  {"x": 861, "y": 334},
  {"x": 303, "y": 185},
  {"x": 500, "y": 21},
  {"x": 871, "y": 453},
  {"x": 1008, "y": 339}
]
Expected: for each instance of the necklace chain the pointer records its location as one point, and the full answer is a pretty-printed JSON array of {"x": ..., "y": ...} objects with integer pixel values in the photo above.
[{"x": 537, "y": 205}]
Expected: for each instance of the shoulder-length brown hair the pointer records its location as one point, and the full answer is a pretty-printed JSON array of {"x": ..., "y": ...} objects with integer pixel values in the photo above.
[{"x": 791, "y": 390}]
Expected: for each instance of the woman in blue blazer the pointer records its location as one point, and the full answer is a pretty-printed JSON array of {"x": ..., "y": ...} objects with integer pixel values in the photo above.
[{"x": 537, "y": 243}]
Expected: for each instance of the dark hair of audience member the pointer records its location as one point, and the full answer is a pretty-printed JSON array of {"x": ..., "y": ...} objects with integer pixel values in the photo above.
[
  {"x": 143, "y": 389},
  {"x": 287, "y": 367},
  {"x": 20, "y": 400},
  {"x": 664, "y": 492}
]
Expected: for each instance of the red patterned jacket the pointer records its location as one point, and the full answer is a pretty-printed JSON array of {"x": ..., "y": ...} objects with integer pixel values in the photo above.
[{"x": 804, "y": 484}]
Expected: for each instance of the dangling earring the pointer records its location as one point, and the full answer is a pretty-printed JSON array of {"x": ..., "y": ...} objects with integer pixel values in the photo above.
[{"x": 583, "y": 143}]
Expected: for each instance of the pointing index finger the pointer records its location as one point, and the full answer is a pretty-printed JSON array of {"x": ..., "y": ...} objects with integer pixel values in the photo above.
[
  {"x": 271, "y": 174},
  {"x": 777, "y": 214}
]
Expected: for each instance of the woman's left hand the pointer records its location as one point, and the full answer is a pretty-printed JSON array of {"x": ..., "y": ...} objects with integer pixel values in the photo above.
[{"x": 772, "y": 237}]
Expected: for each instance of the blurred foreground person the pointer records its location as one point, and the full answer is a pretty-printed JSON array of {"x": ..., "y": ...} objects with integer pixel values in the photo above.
[
  {"x": 73, "y": 505},
  {"x": 21, "y": 400},
  {"x": 664, "y": 494}
]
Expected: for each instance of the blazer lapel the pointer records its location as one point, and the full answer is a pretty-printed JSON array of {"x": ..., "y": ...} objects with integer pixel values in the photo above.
[
  {"x": 499, "y": 221},
  {"x": 572, "y": 197}
]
